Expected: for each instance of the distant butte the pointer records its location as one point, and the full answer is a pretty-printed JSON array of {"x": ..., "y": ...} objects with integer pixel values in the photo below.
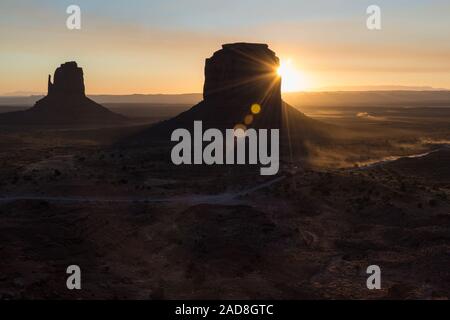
[
  {"x": 65, "y": 103},
  {"x": 69, "y": 80}
]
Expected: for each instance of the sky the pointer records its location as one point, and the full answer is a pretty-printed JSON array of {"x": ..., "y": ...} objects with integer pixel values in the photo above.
[{"x": 153, "y": 46}]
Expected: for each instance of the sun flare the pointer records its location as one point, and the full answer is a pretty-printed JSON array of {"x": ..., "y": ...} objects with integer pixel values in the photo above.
[{"x": 292, "y": 78}]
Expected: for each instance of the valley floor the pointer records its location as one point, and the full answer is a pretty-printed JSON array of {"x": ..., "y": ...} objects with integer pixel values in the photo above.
[{"x": 142, "y": 229}]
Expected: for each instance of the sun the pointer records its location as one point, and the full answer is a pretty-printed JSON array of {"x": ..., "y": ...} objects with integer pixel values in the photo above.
[{"x": 291, "y": 78}]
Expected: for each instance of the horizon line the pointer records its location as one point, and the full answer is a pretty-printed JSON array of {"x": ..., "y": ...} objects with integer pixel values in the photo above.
[{"x": 425, "y": 89}]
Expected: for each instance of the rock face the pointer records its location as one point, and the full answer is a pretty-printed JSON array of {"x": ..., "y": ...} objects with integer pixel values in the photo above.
[
  {"x": 68, "y": 80},
  {"x": 237, "y": 77},
  {"x": 65, "y": 103},
  {"x": 243, "y": 73}
]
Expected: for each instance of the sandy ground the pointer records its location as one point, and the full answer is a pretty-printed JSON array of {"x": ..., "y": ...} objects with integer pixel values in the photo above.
[
  {"x": 310, "y": 235},
  {"x": 140, "y": 229}
]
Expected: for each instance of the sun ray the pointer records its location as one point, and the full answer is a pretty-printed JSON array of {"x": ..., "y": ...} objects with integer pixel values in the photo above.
[{"x": 292, "y": 78}]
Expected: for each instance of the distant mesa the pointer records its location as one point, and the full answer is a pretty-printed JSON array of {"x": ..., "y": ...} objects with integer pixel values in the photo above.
[
  {"x": 69, "y": 81},
  {"x": 65, "y": 103}
]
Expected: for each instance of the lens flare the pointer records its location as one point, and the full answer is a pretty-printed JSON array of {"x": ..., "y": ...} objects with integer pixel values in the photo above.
[
  {"x": 239, "y": 130},
  {"x": 256, "y": 108},
  {"x": 248, "y": 120}
]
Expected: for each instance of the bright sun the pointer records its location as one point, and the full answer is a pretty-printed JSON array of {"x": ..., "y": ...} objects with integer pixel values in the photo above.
[{"x": 292, "y": 79}]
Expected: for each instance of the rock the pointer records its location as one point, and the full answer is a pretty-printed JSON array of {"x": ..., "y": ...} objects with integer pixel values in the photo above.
[
  {"x": 68, "y": 80},
  {"x": 243, "y": 73},
  {"x": 65, "y": 103},
  {"x": 236, "y": 77}
]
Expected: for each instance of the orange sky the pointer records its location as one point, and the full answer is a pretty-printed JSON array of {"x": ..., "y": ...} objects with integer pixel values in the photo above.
[{"x": 162, "y": 48}]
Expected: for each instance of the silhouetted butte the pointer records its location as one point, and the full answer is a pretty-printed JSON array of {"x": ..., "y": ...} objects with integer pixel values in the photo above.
[
  {"x": 65, "y": 103},
  {"x": 236, "y": 77}
]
